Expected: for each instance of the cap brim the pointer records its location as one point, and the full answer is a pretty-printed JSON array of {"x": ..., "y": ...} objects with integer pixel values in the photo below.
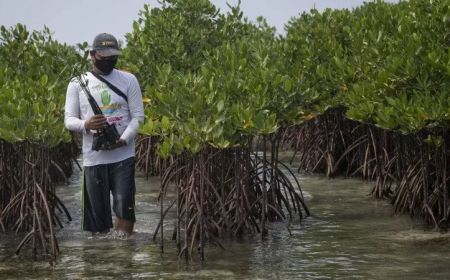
[{"x": 108, "y": 52}]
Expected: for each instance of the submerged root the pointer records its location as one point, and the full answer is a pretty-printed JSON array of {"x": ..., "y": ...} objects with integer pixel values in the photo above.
[
  {"x": 406, "y": 169},
  {"x": 28, "y": 174},
  {"x": 227, "y": 193}
]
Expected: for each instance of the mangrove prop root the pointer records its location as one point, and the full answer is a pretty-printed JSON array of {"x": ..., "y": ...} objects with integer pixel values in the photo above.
[
  {"x": 148, "y": 159},
  {"x": 28, "y": 174},
  {"x": 227, "y": 193},
  {"x": 406, "y": 169}
]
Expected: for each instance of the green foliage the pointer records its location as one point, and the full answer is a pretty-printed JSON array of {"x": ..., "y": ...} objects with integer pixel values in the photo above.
[
  {"x": 209, "y": 77},
  {"x": 388, "y": 64},
  {"x": 176, "y": 34},
  {"x": 216, "y": 79},
  {"x": 34, "y": 73}
]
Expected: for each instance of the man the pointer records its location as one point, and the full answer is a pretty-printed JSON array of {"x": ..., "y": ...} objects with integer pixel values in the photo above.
[{"x": 106, "y": 170}]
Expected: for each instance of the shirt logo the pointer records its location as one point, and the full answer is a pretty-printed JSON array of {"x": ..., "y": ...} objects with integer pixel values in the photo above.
[{"x": 106, "y": 98}]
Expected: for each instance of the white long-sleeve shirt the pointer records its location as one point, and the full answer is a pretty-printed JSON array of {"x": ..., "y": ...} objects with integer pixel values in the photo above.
[{"x": 125, "y": 116}]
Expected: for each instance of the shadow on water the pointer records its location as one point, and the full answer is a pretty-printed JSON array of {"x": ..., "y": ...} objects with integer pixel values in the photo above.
[{"x": 349, "y": 236}]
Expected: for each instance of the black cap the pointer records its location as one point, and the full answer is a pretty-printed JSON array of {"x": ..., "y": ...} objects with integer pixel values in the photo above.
[{"x": 106, "y": 45}]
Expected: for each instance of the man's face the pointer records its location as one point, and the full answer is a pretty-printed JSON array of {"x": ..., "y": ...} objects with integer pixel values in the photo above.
[{"x": 104, "y": 64}]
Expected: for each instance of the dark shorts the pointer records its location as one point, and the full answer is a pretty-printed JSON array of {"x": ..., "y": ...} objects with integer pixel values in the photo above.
[{"x": 98, "y": 182}]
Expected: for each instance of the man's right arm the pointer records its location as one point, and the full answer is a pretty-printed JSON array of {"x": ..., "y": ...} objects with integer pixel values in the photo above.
[{"x": 72, "y": 119}]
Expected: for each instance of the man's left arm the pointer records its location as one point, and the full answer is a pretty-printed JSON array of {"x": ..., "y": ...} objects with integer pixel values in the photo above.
[{"x": 136, "y": 111}]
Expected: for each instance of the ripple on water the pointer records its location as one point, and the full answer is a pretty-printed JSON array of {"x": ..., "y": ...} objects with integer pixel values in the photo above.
[
  {"x": 204, "y": 273},
  {"x": 421, "y": 235}
]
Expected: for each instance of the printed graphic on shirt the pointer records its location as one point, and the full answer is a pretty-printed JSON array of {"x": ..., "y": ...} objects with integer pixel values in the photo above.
[
  {"x": 110, "y": 110},
  {"x": 106, "y": 98}
]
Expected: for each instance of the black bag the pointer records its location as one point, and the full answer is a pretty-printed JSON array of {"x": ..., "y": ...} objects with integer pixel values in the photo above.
[{"x": 105, "y": 138}]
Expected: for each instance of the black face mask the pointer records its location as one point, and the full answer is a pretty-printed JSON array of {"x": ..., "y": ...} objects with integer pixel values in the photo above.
[{"x": 106, "y": 66}]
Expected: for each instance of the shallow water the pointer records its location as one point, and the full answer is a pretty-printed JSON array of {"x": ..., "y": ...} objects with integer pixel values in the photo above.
[{"x": 349, "y": 236}]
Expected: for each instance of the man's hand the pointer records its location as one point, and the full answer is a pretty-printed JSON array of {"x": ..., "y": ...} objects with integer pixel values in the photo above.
[
  {"x": 119, "y": 144},
  {"x": 96, "y": 122}
]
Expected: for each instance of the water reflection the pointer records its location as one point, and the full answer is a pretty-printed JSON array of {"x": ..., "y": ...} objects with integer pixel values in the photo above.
[{"x": 348, "y": 236}]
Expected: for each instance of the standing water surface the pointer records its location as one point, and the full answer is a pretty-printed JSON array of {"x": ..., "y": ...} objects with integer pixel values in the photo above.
[{"x": 348, "y": 236}]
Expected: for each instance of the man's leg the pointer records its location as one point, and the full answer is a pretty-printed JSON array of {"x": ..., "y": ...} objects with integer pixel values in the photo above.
[
  {"x": 123, "y": 190},
  {"x": 122, "y": 225},
  {"x": 96, "y": 199}
]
